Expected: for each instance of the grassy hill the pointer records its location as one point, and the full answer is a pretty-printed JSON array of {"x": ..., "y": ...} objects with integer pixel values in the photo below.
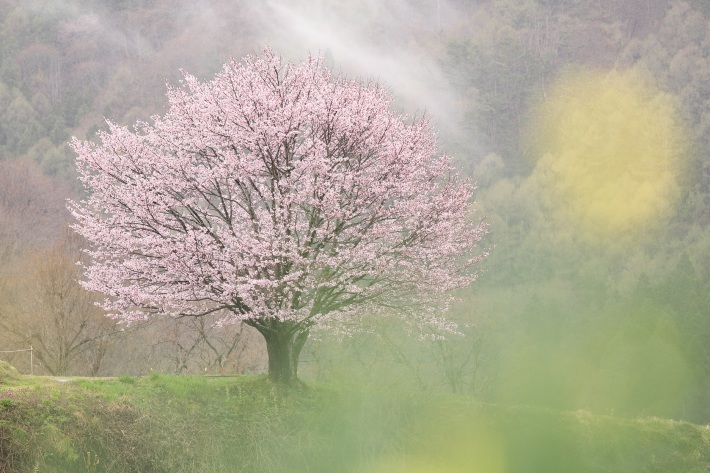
[{"x": 175, "y": 424}]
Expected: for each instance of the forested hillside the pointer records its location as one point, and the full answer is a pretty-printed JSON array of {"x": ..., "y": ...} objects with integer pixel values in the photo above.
[{"x": 586, "y": 125}]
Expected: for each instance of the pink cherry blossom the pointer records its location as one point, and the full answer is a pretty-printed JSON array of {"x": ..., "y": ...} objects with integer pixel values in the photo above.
[{"x": 284, "y": 196}]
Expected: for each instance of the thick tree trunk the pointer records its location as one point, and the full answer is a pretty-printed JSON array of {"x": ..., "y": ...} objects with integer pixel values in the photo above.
[{"x": 284, "y": 342}]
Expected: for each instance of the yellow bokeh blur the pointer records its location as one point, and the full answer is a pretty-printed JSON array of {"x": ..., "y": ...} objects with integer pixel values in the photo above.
[
  {"x": 448, "y": 440},
  {"x": 609, "y": 150}
]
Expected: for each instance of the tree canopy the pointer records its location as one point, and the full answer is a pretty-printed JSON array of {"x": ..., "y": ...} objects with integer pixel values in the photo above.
[{"x": 284, "y": 196}]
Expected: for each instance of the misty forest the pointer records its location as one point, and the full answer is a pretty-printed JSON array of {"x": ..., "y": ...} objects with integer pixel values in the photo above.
[{"x": 584, "y": 128}]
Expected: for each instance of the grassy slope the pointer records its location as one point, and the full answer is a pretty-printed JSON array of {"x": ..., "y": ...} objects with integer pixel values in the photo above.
[{"x": 178, "y": 424}]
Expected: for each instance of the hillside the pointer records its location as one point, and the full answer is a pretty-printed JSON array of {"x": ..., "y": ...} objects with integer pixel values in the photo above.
[
  {"x": 163, "y": 423},
  {"x": 586, "y": 126}
]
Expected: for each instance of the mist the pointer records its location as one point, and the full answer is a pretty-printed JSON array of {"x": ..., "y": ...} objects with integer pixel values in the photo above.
[
  {"x": 372, "y": 41},
  {"x": 595, "y": 294}
]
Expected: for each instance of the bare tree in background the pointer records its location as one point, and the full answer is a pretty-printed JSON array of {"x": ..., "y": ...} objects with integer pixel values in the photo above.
[
  {"x": 44, "y": 306},
  {"x": 201, "y": 345},
  {"x": 458, "y": 362}
]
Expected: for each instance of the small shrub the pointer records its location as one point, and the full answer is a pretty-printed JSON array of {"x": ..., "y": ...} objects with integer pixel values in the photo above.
[
  {"x": 7, "y": 403},
  {"x": 8, "y": 373},
  {"x": 127, "y": 380}
]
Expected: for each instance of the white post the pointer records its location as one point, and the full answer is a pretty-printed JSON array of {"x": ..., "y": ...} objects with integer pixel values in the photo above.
[{"x": 32, "y": 371}]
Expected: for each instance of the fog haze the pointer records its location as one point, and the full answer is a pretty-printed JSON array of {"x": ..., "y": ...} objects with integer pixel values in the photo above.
[{"x": 585, "y": 124}]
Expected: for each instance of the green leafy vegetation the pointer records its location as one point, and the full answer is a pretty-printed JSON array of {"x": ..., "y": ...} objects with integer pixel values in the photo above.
[
  {"x": 164, "y": 423},
  {"x": 8, "y": 373}
]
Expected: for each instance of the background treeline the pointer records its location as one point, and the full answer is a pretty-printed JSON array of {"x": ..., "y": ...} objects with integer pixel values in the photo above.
[{"x": 615, "y": 325}]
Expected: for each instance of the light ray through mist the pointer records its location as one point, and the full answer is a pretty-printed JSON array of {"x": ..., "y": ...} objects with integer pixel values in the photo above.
[{"x": 370, "y": 42}]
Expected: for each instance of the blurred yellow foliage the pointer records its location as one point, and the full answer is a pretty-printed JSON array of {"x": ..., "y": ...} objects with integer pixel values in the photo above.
[
  {"x": 448, "y": 440},
  {"x": 609, "y": 151}
]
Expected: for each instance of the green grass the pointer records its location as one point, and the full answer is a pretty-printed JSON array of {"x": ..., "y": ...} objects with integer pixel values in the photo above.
[{"x": 164, "y": 423}]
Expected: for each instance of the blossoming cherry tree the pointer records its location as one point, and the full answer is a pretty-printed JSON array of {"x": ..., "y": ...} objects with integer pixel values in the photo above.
[{"x": 280, "y": 195}]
